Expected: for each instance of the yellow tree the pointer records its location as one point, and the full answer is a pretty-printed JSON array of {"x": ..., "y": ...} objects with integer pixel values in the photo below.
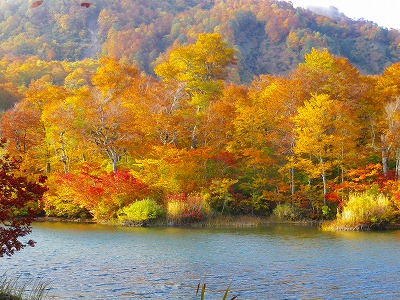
[
  {"x": 58, "y": 118},
  {"x": 386, "y": 95},
  {"x": 263, "y": 134},
  {"x": 109, "y": 115},
  {"x": 47, "y": 97},
  {"x": 201, "y": 68},
  {"x": 323, "y": 73},
  {"x": 24, "y": 127},
  {"x": 317, "y": 145},
  {"x": 250, "y": 128}
]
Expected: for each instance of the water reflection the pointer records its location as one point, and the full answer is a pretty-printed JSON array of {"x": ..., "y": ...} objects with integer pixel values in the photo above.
[{"x": 92, "y": 261}]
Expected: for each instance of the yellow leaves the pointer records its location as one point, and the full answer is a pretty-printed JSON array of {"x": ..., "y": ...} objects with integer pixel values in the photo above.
[
  {"x": 318, "y": 144},
  {"x": 171, "y": 170},
  {"x": 77, "y": 79},
  {"x": 197, "y": 69},
  {"x": 168, "y": 71},
  {"x": 388, "y": 84},
  {"x": 248, "y": 128},
  {"x": 113, "y": 76},
  {"x": 259, "y": 158},
  {"x": 315, "y": 119},
  {"x": 318, "y": 59},
  {"x": 206, "y": 60}
]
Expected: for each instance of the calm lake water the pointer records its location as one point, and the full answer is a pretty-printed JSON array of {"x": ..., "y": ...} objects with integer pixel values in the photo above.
[{"x": 84, "y": 261}]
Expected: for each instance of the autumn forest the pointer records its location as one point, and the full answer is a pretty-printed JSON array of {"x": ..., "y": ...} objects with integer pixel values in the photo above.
[{"x": 258, "y": 107}]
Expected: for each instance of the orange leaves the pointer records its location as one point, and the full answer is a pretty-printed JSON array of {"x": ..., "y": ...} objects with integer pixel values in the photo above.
[
  {"x": 111, "y": 117},
  {"x": 21, "y": 126},
  {"x": 112, "y": 77},
  {"x": 259, "y": 158},
  {"x": 272, "y": 136},
  {"x": 388, "y": 84},
  {"x": 361, "y": 179}
]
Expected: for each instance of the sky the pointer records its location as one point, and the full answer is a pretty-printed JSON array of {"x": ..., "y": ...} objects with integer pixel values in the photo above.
[{"x": 385, "y": 13}]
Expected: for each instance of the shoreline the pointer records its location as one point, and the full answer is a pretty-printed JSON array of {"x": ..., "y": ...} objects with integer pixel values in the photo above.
[{"x": 217, "y": 222}]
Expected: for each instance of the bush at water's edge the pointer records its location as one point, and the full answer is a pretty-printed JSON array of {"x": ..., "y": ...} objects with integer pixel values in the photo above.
[
  {"x": 369, "y": 210},
  {"x": 363, "y": 211}
]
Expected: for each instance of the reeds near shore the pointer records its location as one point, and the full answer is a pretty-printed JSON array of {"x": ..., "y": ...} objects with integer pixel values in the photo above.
[
  {"x": 12, "y": 289},
  {"x": 202, "y": 292}
]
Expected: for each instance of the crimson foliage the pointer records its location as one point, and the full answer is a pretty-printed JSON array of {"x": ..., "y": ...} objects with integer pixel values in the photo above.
[{"x": 18, "y": 205}]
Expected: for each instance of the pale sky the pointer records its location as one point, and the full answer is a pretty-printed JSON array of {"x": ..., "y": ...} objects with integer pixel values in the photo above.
[{"x": 385, "y": 13}]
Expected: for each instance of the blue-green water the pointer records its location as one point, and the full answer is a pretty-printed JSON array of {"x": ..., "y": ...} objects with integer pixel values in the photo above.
[{"x": 84, "y": 261}]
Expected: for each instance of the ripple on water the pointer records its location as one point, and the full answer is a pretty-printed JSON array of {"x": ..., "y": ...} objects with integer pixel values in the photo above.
[{"x": 94, "y": 262}]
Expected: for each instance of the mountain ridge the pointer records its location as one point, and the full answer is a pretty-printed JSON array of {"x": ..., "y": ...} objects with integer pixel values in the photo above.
[{"x": 271, "y": 36}]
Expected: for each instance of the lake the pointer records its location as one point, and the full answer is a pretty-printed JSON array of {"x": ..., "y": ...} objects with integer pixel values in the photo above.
[{"x": 89, "y": 261}]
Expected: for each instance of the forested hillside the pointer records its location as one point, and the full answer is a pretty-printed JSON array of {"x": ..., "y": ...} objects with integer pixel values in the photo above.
[
  {"x": 136, "y": 110},
  {"x": 271, "y": 36}
]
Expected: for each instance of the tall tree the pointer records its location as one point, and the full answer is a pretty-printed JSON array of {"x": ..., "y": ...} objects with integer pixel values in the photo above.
[
  {"x": 317, "y": 147},
  {"x": 111, "y": 114},
  {"x": 202, "y": 67},
  {"x": 386, "y": 95}
]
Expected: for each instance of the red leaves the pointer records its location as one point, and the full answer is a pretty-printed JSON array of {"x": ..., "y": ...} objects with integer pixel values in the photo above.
[
  {"x": 18, "y": 201},
  {"x": 333, "y": 197},
  {"x": 102, "y": 194},
  {"x": 37, "y": 3},
  {"x": 225, "y": 157}
]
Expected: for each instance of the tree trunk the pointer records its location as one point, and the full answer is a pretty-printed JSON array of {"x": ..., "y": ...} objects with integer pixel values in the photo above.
[
  {"x": 114, "y": 158},
  {"x": 292, "y": 184},
  {"x": 397, "y": 164},
  {"x": 194, "y": 137},
  {"x": 385, "y": 157},
  {"x": 63, "y": 154},
  {"x": 323, "y": 175}
]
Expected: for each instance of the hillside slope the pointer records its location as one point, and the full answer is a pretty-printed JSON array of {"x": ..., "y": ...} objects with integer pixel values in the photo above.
[{"x": 271, "y": 36}]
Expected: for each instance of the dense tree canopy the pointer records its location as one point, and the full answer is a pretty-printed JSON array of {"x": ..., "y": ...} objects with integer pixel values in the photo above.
[
  {"x": 132, "y": 103},
  {"x": 193, "y": 141}
]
